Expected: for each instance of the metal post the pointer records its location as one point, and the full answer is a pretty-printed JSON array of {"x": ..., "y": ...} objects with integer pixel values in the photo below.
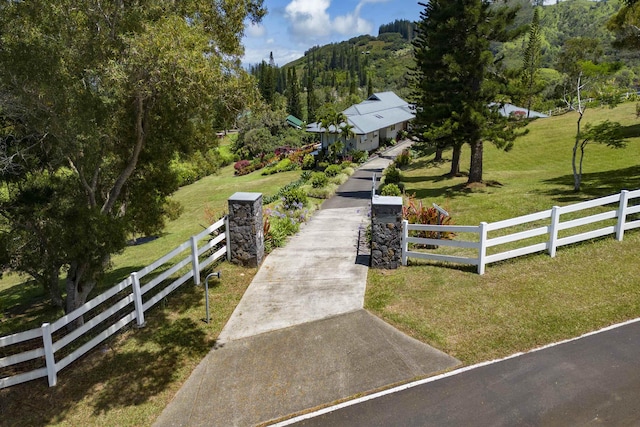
[{"x": 206, "y": 293}]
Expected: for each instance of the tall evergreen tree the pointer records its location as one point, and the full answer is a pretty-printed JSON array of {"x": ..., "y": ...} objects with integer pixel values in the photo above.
[
  {"x": 455, "y": 80},
  {"x": 531, "y": 60},
  {"x": 293, "y": 94}
]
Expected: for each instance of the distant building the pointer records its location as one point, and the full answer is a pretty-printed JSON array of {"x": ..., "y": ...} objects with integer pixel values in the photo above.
[
  {"x": 510, "y": 110},
  {"x": 382, "y": 115},
  {"x": 295, "y": 122}
]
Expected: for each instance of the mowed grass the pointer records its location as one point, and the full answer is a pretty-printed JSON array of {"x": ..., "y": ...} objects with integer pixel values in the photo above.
[
  {"x": 24, "y": 304},
  {"x": 129, "y": 379},
  {"x": 525, "y": 302}
]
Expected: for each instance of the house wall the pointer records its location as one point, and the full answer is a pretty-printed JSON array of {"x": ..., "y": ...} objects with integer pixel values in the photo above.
[
  {"x": 391, "y": 132},
  {"x": 369, "y": 142}
]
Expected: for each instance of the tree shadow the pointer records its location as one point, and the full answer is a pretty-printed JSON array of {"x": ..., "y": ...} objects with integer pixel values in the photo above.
[
  {"x": 142, "y": 364},
  {"x": 595, "y": 184},
  {"x": 631, "y": 131}
]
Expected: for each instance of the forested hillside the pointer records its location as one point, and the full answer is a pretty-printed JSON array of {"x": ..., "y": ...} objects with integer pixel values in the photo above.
[{"x": 346, "y": 72}]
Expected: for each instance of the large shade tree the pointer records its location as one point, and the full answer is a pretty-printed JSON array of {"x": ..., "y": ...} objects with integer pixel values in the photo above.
[
  {"x": 96, "y": 97},
  {"x": 456, "y": 77}
]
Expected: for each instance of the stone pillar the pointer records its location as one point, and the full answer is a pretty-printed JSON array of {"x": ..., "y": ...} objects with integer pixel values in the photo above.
[
  {"x": 386, "y": 232},
  {"x": 246, "y": 230}
]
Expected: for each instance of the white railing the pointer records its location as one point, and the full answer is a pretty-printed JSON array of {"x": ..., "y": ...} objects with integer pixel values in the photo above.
[
  {"x": 547, "y": 223},
  {"x": 133, "y": 300}
]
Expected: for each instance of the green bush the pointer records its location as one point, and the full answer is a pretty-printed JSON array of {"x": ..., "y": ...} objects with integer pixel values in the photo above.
[
  {"x": 308, "y": 162},
  {"x": 323, "y": 192},
  {"x": 319, "y": 179},
  {"x": 390, "y": 190},
  {"x": 392, "y": 175},
  {"x": 403, "y": 158},
  {"x": 339, "y": 179},
  {"x": 332, "y": 170},
  {"x": 285, "y": 165},
  {"x": 323, "y": 165},
  {"x": 348, "y": 171},
  {"x": 359, "y": 156},
  {"x": 294, "y": 198}
]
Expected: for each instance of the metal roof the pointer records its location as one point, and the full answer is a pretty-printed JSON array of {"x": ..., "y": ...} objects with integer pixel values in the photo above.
[{"x": 379, "y": 111}]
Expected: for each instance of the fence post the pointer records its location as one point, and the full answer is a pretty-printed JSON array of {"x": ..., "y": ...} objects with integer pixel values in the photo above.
[
  {"x": 622, "y": 214},
  {"x": 553, "y": 231},
  {"x": 405, "y": 244},
  {"x": 482, "y": 251},
  {"x": 228, "y": 234},
  {"x": 246, "y": 228},
  {"x": 386, "y": 232},
  {"x": 137, "y": 300},
  {"x": 49, "y": 355},
  {"x": 195, "y": 261},
  {"x": 373, "y": 186}
]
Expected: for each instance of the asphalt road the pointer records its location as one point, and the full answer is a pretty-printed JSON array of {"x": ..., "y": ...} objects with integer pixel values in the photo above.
[
  {"x": 356, "y": 192},
  {"x": 594, "y": 380}
]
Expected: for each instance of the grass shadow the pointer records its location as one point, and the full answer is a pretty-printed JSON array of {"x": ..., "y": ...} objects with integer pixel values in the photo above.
[
  {"x": 595, "y": 184},
  {"x": 127, "y": 370}
]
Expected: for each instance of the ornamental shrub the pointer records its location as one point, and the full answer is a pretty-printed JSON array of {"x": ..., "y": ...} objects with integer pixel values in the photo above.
[
  {"x": 403, "y": 158},
  {"x": 308, "y": 162},
  {"x": 294, "y": 198},
  {"x": 240, "y": 165},
  {"x": 392, "y": 175},
  {"x": 390, "y": 190},
  {"x": 332, "y": 170},
  {"x": 319, "y": 179},
  {"x": 359, "y": 156}
]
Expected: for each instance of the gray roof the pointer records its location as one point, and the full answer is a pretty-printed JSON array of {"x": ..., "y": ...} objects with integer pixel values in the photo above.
[
  {"x": 380, "y": 110},
  {"x": 508, "y": 109}
]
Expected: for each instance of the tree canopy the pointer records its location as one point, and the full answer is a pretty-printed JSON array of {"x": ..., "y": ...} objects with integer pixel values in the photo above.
[
  {"x": 96, "y": 97},
  {"x": 456, "y": 78}
]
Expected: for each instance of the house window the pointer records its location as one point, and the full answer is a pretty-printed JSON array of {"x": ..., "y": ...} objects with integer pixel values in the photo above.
[{"x": 392, "y": 128}]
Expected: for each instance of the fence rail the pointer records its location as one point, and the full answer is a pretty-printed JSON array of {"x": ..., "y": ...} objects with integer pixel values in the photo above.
[
  {"x": 133, "y": 300},
  {"x": 621, "y": 214}
]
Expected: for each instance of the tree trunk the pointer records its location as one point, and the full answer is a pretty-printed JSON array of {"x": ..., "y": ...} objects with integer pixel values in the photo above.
[
  {"x": 475, "y": 167},
  {"x": 78, "y": 289},
  {"x": 455, "y": 160},
  {"x": 577, "y": 178},
  {"x": 53, "y": 287},
  {"x": 577, "y": 174},
  {"x": 438, "y": 156}
]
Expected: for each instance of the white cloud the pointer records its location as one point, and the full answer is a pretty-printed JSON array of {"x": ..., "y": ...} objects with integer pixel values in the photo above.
[
  {"x": 352, "y": 24},
  {"x": 310, "y": 20},
  {"x": 281, "y": 56},
  {"x": 256, "y": 30}
]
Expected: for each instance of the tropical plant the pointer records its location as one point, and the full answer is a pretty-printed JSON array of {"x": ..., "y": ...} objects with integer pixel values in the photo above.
[
  {"x": 416, "y": 213},
  {"x": 390, "y": 190},
  {"x": 319, "y": 179}
]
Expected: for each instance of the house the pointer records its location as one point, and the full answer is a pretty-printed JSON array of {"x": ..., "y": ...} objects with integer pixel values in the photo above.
[
  {"x": 294, "y": 122},
  {"x": 381, "y": 116},
  {"x": 510, "y": 110}
]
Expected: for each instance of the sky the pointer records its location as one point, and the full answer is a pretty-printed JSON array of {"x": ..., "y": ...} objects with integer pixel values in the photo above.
[{"x": 293, "y": 26}]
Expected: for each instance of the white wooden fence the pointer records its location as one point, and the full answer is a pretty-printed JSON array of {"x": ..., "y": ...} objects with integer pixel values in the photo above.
[
  {"x": 133, "y": 300},
  {"x": 532, "y": 229}
]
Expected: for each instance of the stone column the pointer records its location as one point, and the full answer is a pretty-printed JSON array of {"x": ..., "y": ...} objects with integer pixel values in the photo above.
[
  {"x": 246, "y": 230},
  {"x": 386, "y": 232}
]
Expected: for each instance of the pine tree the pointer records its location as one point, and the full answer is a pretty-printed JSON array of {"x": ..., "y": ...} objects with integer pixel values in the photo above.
[
  {"x": 454, "y": 77},
  {"x": 532, "y": 57}
]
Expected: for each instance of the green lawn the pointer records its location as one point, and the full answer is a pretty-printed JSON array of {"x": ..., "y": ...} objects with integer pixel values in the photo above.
[
  {"x": 515, "y": 306},
  {"x": 530, "y": 301},
  {"x": 129, "y": 379}
]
